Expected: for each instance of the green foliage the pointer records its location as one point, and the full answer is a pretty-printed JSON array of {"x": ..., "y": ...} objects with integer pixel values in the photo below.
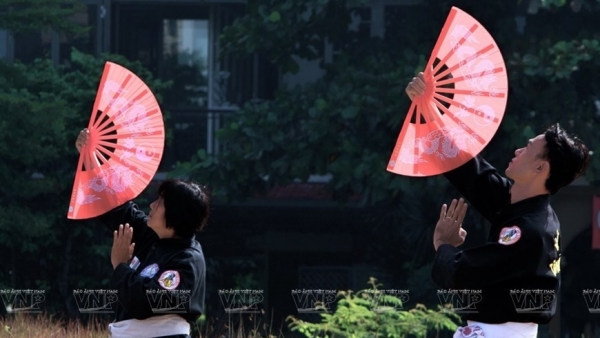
[
  {"x": 44, "y": 107},
  {"x": 550, "y": 3},
  {"x": 561, "y": 59},
  {"x": 187, "y": 73},
  {"x": 555, "y": 83},
  {"x": 26, "y": 15},
  {"x": 339, "y": 126},
  {"x": 362, "y": 315},
  {"x": 271, "y": 23},
  {"x": 346, "y": 123}
]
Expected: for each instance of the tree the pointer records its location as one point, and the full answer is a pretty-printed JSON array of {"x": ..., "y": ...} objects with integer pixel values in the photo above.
[
  {"x": 346, "y": 123},
  {"x": 44, "y": 107},
  {"x": 25, "y": 15}
]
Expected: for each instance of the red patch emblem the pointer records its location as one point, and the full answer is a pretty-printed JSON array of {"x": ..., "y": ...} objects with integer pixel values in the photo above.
[
  {"x": 169, "y": 279},
  {"x": 471, "y": 331},
  {"x": 509, "y": 235}
]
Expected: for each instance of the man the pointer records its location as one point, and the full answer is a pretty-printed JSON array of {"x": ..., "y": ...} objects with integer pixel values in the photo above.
[
  {"x": 522, "y": 252},
  {"x": 167, "y": 264}
]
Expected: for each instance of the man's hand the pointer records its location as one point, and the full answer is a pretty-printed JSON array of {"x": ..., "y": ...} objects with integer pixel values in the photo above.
[
  {"x": 416, "y": 87},
  {"x": 448, "y": 228},
  {"x": 122, "y": 250},
  {"x": 82, "y": 139}
]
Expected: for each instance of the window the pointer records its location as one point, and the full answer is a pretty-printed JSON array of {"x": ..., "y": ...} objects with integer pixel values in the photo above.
[
  {"x": 185, "y": 62},
  {"x": 4, "y": 45},
  {"x": 180, "y": 43},
  {"x": 173, "y": 43}
]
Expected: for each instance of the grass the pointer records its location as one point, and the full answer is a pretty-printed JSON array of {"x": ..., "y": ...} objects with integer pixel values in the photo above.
[
  {"x": 43, "y": 325},
  {"x": 240, "y": 326}
]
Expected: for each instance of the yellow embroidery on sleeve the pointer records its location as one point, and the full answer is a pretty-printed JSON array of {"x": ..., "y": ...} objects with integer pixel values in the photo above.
[{"x": 555, "y": 265}]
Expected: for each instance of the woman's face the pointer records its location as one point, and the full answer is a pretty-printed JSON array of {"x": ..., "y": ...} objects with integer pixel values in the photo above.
[{"x": 156, "y": 218}]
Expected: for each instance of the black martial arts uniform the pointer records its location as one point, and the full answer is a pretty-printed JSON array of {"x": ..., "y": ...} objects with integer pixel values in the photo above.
[
  {"x": 521, "y": 253},
  {"x": 165, "y": 265}
]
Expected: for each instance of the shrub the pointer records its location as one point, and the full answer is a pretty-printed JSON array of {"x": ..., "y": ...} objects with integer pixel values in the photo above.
[{"x": 372, "y": 313}]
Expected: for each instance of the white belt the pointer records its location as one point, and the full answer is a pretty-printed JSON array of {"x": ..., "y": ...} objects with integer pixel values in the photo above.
[
  {"x": 155, "y": 326},
  {"x": 504, "y": 330}
]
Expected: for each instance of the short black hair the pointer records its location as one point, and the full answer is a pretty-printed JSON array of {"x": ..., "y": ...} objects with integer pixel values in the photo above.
[
  {"x": 568, "y": 157},
  {"x": 187, "y": 206}
]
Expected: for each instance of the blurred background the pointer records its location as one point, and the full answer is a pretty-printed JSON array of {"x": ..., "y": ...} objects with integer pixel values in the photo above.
[{"x": 289, "y": 110}]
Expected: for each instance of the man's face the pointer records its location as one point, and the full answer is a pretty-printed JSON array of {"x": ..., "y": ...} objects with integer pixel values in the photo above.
[{"x": 527, "y": 160}]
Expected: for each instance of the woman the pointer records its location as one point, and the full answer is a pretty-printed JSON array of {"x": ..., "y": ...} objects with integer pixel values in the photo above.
[{"x": 159, "y": 269}]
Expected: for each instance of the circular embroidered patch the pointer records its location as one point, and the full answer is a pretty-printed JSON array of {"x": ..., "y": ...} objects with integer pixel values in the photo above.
[
  {"x": 169, "y": 279},
  {"x": 471, "y": 331},
  {"x": 149, "y": 271},
  {"x": 509, "y": 235}
]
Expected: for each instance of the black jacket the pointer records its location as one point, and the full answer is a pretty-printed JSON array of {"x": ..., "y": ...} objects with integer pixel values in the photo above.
[
  {"x": 170, "y": 277},
  {"x": 516, "y": 270}
]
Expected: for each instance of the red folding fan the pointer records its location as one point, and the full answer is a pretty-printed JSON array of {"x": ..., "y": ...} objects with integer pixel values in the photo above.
[
  {"x": 463, "y": 104},
  {"x": 126, "y": 142}
]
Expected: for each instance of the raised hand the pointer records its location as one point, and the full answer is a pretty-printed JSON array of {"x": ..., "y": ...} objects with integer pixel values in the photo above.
[
  {"x": 82, "y": 139},
  {"x": 416, "y": 87},
  {"x": 448, "y": 229},
  {"x": 122, "y": 249}
]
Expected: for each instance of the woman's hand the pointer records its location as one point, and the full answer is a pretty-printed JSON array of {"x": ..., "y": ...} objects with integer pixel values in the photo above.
[
  {"x": 82, "y": 139},
  {"x": 416, "y": 87},
  {"x": 122, "y": 249}
]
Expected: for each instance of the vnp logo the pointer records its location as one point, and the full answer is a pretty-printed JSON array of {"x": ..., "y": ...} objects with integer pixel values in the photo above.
[
  {"x": 532, "y": 301},
  {"x": 241, "y": 301},
  {"x": 169, "y": 301},
  {"x": 314, "y": 301},
  {"x": 462, "y": 301},
  {"x": 387, "y": 300},
  {"x": 23, "y": 301},
  {"x": 592, "y": 299},
  {"x": 96, "y": 301}
]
